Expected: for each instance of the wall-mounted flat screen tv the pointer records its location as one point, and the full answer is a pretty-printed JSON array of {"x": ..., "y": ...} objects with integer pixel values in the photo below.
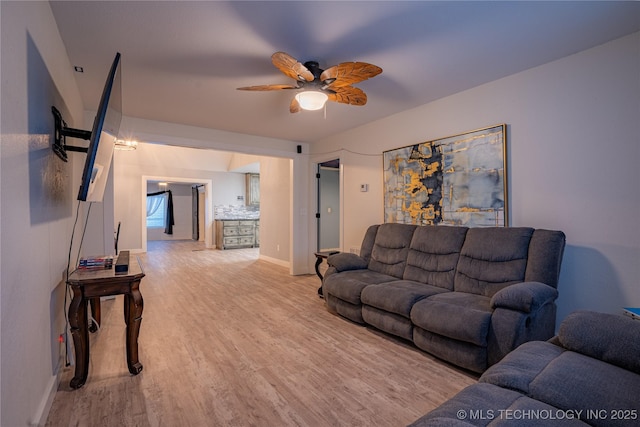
[{"x": 103, "y": 135}]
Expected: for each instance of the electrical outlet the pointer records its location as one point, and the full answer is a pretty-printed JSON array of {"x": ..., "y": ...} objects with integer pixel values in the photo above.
[
  {"x": 355, "y": 251},
  {"x": 277, "y": 248}
]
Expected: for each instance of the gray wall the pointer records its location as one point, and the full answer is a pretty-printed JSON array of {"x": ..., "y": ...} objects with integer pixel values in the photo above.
[
  {"x": 573, "y": 156},
  {"x": 38, "y": 193}
]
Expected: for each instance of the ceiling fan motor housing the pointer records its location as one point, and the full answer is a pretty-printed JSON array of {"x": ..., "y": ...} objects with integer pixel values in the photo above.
[{"x": 315, "y": 69}]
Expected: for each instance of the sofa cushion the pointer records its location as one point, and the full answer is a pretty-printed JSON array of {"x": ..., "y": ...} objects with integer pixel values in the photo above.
[
  {"x": 461, "y": 316},
  {"x": 527, "y": 412},
  {"x": 585, "y": 381},
  {"x": 519, "y": 368},
  {"x": 464, "y": 354},
  {"x": 386, "y": 321},
  {"x": 433, "y": 255},
  {"x": 545, "y": 257},
  {"x": 487, "y": 405},
  {"x": 398, "y": 296},
  {"x": 573, "y": 381},
  {"x": 389, "y": 253},
  {"x": 612, "y": 338},
  {"x": 492, "y": 258},
  {"x": 348, "y": 285},
  {"x": 477, "y": 397},
  {"x": 368, "y": 241}
]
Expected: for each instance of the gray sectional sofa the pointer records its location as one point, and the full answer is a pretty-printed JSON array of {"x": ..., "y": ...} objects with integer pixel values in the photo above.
[
  {"x": 466, "y": 295},
  {"x": 589, "y": 374}
]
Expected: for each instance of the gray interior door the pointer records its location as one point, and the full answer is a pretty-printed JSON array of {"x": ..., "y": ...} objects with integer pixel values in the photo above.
[
  {"x": 328, "y": 212},
  {"x": 195, "y": 226}
]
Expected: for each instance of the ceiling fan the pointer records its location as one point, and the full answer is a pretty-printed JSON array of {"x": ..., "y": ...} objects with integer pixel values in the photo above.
[{"x": 318, "y": 85}]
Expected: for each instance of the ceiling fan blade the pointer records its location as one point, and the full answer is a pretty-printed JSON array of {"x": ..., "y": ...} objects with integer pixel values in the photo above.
[
  {"x": 267, "y": 87},
  {"x": 291, "y": 67},
  {"x": 347, "y": 95},
  {"x": 294, "y": 107},
  {"x": 349, "y": 73}
]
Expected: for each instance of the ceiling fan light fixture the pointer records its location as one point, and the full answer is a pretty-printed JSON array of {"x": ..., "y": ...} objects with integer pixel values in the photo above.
[{"x": 311, "y": 100}]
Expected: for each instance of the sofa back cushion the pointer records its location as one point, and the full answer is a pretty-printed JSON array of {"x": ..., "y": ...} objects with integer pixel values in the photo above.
[
  {"x": 545, "y": 256},
  {"x": 433, "y": 255},
  {"x": 576, "y": 382},
  {"x": 492, "y": 258},
  {"x": 367, "y": 243},
  {"x": 390, "y": 249},
  {"x": 611, "y": 338}
]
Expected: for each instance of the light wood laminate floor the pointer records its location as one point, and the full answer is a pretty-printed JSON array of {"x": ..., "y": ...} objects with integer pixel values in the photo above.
[{"x": 231, "y": 340}]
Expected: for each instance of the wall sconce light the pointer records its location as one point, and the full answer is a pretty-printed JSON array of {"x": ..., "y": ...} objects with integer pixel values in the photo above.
[
  {"x": 311, "y": 99},
  {"x": 126, "y": 145}
]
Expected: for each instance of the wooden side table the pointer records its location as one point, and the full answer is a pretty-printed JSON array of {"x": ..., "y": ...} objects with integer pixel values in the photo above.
[
  {"x": 89, "y": 286},
  {"x": 320, "y": 256}
]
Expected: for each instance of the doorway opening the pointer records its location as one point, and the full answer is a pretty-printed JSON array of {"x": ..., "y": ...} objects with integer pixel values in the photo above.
[
  {"x": 184, "y": 198},
  {"x": 328, "y": 208},
  {"x": 197, "y": 212}
]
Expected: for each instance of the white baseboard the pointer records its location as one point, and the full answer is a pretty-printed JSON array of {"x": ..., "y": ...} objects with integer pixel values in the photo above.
[
  {"x": 42, "y": 413},
  {"x": 134, "y": 251},
  {"x": 279, "y": 262}
]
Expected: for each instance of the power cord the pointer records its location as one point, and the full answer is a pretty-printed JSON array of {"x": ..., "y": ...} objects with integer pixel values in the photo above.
[{"x": 67, "y": 293}]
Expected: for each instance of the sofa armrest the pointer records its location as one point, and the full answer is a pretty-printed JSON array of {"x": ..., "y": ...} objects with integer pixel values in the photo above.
[
  {"x": 344, "y": 261},
  {"x": 525, "y": 297}
]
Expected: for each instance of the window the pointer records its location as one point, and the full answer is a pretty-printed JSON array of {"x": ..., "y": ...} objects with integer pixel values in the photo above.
[{"x": 156, "y": 208}]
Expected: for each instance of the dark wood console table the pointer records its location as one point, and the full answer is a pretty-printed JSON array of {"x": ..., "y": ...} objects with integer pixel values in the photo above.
[{"x": 89, "y": 286}]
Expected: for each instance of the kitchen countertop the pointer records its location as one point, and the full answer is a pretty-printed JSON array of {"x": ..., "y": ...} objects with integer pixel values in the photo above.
[{"x": 243, "y": 218}]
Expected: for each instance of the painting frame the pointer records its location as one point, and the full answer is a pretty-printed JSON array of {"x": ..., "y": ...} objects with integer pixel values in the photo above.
[{"x": 457, "y": 180}]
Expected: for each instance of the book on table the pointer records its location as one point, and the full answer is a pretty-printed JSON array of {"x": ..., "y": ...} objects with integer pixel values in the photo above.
[
  {"x": 633, "y": 312},
  {"x": 95, "y": 263}
]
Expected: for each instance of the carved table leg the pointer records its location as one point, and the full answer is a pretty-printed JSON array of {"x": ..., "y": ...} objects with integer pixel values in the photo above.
[
  {"x": 133, "y": 306},
  {"x": 80, "y": 334},
  {"x": 318, "y": 262}
]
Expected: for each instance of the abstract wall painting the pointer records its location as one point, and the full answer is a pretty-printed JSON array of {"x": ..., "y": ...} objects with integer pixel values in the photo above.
[{"x": 459, "y": 180}]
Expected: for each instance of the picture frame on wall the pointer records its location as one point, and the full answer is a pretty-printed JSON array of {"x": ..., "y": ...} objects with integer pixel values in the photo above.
[{"x": 457, "y": 180}]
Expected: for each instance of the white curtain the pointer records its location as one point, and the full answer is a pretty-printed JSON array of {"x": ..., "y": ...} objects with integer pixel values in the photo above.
[{"x": 154, "y": 203}]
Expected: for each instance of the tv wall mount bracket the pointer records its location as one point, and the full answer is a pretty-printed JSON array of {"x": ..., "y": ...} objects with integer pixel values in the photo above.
[{"x": 62, "y": 131}]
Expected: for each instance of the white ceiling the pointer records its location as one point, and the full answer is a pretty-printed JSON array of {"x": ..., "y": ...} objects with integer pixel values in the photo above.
[{"x": 182, "y": 61}]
